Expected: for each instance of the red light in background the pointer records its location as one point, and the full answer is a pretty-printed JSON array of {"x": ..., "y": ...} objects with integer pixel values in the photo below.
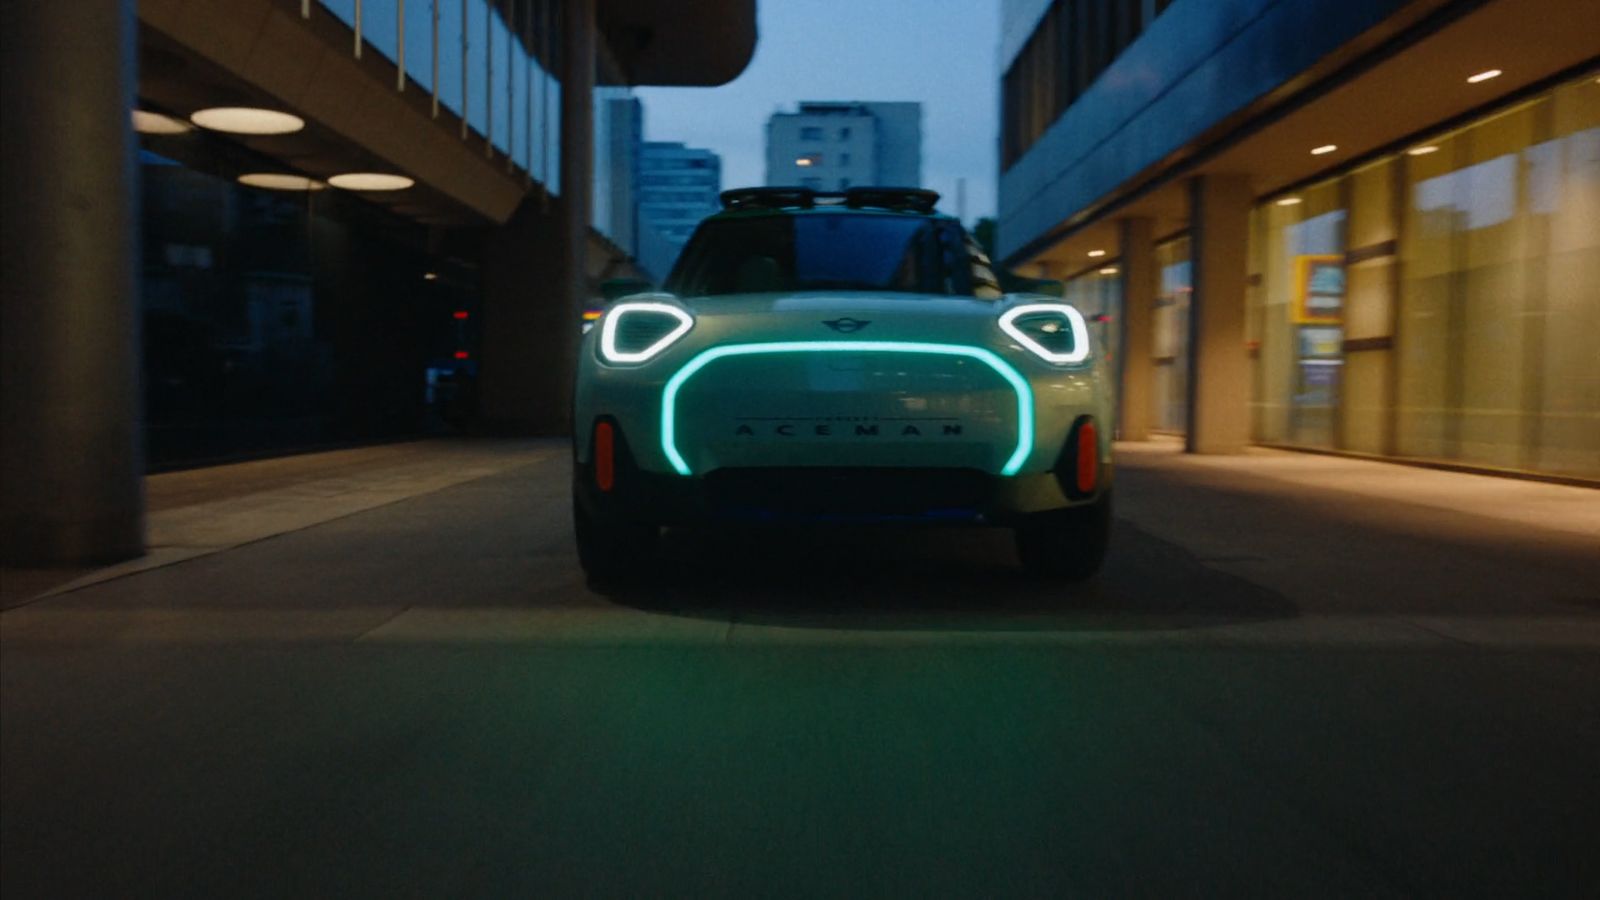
[
  {"x": 459, "y": 314},
  {"x": 462, "y": 354}
]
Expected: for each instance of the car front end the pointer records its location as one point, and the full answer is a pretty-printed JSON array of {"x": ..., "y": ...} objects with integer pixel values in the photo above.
[{"x": 837, "y": 404}]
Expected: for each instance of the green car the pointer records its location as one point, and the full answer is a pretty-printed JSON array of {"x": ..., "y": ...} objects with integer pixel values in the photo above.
[{"x": 847, "y": 357}]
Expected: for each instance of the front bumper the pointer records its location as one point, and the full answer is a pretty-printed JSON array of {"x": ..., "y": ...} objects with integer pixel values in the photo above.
[{"x": 798, "y": 494}]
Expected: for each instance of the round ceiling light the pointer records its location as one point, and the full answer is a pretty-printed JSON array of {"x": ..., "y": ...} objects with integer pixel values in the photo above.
[
  {"x": 247, "y": 120},
  {"x": 279, "y": 181},
  {"x": 371, "y": 181},
  {"x": 146, "y": 122}
]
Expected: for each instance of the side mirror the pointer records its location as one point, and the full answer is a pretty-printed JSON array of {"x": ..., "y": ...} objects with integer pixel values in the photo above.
[{"x": 617, "y": 288}]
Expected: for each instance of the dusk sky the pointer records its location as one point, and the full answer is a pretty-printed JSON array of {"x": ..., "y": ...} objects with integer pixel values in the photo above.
[{"x": 939, "y": 52}]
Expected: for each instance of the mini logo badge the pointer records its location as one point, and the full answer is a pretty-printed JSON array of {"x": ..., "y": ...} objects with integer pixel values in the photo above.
[{"x": 846, "y": 325}]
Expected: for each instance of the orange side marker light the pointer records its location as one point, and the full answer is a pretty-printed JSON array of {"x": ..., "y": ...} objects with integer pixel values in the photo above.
[
  {"x": 605, "y": 456},
  {"x": 1088, "y": 457}
]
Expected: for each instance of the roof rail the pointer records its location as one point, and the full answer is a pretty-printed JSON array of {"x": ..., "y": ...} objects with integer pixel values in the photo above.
[
  {"x": 918, "y": 200},
  {"x": 769, "y": 198},
  {"x": 911, "y": 199}
]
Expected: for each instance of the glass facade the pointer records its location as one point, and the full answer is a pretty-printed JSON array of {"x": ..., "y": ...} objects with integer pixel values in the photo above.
[
  {"x": 1074, "y": 41},
  {"x": 484, "y": 67},
  {"x": 1442, "y": 303},
  {"x": 1170, "y": 334},
  {"x": 278, "y": 320},
  {"x": 1098, "y": 296},
  {"x": 1297, "y": 316}
]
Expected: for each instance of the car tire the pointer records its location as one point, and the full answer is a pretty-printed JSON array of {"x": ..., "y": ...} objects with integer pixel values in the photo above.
[
  {"x": 1067, "y": 544},
  {"x": 613, "y": 552}
]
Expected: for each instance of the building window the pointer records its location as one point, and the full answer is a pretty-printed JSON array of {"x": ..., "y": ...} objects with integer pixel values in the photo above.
[
  {"x": 813, "y": 183},
  {"x": 1438, "y": 304},
  {"x": 1497, "y": 320},
  {"x": 1074, "y": 42},
  {"x": 844, "y": 133},
  {"x": 811, "y": 133},
  {"x": 1098, "y": 295},
  {"x": 844, "y": 159},
  {"x": 1297, "y": 316},
  {"x": 1171, "y": 337}
]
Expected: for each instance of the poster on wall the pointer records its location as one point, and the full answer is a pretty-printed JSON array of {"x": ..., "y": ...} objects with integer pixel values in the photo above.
[
  {"x": 1318, "y": 289},
  {"x": 1321, "y": 341}
]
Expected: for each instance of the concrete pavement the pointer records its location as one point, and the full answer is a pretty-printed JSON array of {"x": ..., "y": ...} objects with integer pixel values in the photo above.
[{"x": 1298, "y": 676}]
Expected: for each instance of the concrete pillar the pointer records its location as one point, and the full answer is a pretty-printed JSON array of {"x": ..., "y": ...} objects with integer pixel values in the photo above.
[
  {"x": 1219, "y": 364},
  {"x": 1141, "y": 279},
  {"x": 71, "y": 461},
  {"x": 535, "y": 273},
  {"x": 577, "y": 191},
  {"x": 526, "y": 381}
]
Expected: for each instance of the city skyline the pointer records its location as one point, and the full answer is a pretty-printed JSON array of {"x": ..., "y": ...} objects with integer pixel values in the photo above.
[{"x": 944, "y": 58}]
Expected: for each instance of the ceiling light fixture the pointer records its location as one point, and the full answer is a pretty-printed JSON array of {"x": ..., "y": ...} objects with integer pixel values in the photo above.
[
  {"x": 1109, "y": 270},
  {"x": 803, "y": 161},
  {"x": 1484, "y": 76},
  {"x": 146, "y": 122},
  {"x": 279, "y": 181},
  {"x": 1288, "y": 201},
  {"x": 1096, "y": 253},
  {"x": 247, "y": 120},
  {"x": 1325, "y": 148},
  {"x": 371, "y": 181},
  {"x": 1424, "y": 150}
]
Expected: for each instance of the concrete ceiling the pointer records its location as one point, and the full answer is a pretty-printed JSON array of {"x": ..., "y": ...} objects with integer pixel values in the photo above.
[
  {"x": 263, "y": 53},
  {"x": 1370, "y": 109},
  {"x": 686, "y": 43}
]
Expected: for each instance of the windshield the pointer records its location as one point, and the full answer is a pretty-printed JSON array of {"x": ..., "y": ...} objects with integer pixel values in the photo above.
[{"x": 830, "y": 251}]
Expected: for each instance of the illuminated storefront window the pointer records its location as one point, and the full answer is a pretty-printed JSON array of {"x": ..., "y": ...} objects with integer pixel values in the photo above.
[
  {"x": 1500, "y": 316},
  {"x": 1301, "y": 292},
  {"x": 1171, "y": 334},
  {"x": 1441, "y": 303},
  {"x": 1098, "y": 295}
]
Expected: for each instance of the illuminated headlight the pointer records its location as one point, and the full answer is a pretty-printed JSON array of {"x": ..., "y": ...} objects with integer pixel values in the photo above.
[
  {"x": 635, "y": 332},
  {"x": 1054, "y": 332}
]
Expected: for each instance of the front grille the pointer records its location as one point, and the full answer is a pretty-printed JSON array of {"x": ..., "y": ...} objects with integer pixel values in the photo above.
[
  {"x": 852, "y": 493},
  {"x": 856, "y": 404}
]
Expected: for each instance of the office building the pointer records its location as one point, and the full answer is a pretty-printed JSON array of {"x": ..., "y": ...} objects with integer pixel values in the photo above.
[
  {"x": 833, "y": 146},
  {"x": 678, "y": 186},
  {"x": 1368, "y": 228}
]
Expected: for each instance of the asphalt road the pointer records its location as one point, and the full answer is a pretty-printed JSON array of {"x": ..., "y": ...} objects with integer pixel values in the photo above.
[{"x": 1269, "y": 692}]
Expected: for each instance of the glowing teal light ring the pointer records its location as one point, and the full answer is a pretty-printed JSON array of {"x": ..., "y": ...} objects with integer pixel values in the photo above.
[{"x": 669, "y": 395}]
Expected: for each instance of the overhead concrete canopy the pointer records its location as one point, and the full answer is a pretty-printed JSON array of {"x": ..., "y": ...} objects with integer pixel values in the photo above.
[
  {"x": 680, "y": 43},
  {"x": 1368, "y": 100}
]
